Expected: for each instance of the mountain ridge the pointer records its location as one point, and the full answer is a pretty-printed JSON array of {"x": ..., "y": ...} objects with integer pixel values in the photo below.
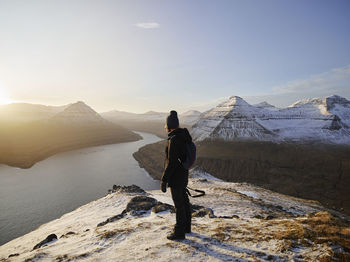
[{"x": 318, "y": 119}]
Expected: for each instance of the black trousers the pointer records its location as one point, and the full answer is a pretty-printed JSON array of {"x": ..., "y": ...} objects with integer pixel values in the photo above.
[{"x": 182, "y": 208}]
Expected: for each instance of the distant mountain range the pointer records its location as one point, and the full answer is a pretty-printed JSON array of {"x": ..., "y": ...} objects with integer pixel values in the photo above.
[
  {"x": 187, "y": 118},
  {"x": 318, "y": 119},
  {"x": 79, "y": 111}
]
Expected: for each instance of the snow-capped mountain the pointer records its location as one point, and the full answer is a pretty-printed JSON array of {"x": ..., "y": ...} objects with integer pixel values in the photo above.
[
  {"x": 78, "y": 112},
  {"x": 318, "y": 119},
  {"x": 189, "y": 117},
  {"x": 266, "y": 106}
]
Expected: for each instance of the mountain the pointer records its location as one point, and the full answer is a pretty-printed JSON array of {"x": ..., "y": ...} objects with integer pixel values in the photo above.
[
  {"x": 232, "y": 222},
  {"x": 24, "y": 112},
  {"x": 22, "y": 144},
  {"x": 80, "y": 113},
  {"x": 116, "y": 115},
  {"x": 149, "y": 122},
  {"x": 189, "y": 117},
  {"x": 318, "y": 119},
  {"x": 302, "y": 150},
  {"x": 266, "y": 106}
]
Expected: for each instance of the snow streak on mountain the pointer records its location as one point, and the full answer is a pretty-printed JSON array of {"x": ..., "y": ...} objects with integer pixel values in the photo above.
[{"x": 318, "y": 119}]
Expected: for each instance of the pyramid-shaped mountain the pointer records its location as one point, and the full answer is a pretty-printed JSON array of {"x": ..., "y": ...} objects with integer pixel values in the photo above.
[
  {"x": 78, "y": 112},
  {"x": 318, "y": 119}
]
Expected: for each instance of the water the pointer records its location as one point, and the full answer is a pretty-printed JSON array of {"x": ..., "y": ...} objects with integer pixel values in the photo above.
[{"x": 63, "y": 182}]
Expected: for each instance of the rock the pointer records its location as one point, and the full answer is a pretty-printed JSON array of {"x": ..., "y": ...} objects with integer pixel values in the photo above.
[
  {"x": 269, "y": 217},
  {"x": 68, "y": 234},
  {"x": 141, "y": 203},
  {"x": 229, "y": 217},
  {"x": 112, "y": 219},
  {"x": 160, "y": 207},
  {"x": 36, "y": 257},
  {"x": 127, "y": 189},
  {"x": 136, "y": 206},
  {"x": 203, "y": 212},
  {"x": 47, "y": 240},
  {"x": 196, "y": 207}
]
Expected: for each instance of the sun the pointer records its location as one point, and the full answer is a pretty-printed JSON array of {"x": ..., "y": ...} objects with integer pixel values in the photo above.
[{"x": 3, "y": 98}]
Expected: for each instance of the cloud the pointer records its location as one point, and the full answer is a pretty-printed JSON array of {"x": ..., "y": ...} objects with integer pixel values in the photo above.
[
  {"x": 320, "y": 82},
  {"x": 149, "y": 25},
  {"x": 335, "y": 81}
]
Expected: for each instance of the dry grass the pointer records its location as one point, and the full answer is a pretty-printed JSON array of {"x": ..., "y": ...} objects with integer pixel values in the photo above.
[
  {"x": 114, "y": 233},
  {"x": 309, "y": 231},
  {"x": 66, "y": 258}
]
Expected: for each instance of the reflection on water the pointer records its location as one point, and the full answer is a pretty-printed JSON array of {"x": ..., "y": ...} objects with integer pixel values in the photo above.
[{"x": 63, "y": 182}]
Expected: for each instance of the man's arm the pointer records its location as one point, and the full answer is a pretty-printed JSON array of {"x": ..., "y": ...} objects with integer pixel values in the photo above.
[{"x": 172, "y": 161}]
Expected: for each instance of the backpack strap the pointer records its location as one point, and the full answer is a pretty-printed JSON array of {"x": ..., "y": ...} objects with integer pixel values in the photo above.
[{"x": 202, "y": 193}]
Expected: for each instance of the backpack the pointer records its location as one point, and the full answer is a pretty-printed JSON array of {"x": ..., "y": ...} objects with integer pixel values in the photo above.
[{"x": 190, "y": 156}]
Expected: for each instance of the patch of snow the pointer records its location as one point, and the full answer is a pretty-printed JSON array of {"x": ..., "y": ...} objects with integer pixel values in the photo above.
[{"x": 249, "y": 194}]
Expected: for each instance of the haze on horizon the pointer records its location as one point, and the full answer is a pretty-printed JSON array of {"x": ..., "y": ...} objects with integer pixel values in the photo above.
[{"x": 137, "y": 56}]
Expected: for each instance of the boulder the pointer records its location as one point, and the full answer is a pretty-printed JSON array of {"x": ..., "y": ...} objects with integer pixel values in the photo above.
[
  {"x": 161, "y": 207},
  {"x": 47, "y": 240},
  {"x": 140, "y": 203},
  {"x": 127, "y": 189},
  {"x": 203, "y": 212}
]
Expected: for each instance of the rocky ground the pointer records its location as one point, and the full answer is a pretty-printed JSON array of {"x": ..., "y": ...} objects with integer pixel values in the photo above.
[{"x": 232, "y": 222}]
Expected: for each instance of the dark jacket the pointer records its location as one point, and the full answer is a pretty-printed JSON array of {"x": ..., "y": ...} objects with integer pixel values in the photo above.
[{"x": 174, "y": 173}]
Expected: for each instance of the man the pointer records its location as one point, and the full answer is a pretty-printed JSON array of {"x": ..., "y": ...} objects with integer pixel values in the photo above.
[{"x": 176, "y": 176}]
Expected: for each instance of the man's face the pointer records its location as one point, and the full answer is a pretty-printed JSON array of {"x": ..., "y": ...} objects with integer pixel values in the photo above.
[{"x": 166, "y": 129}]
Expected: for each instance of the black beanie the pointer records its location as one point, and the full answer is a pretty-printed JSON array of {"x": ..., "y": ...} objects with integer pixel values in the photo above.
[{"x": 172, "y": 121}]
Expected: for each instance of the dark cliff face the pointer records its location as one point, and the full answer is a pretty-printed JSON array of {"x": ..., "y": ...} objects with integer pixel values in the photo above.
[{"x": 319, "y": 172}]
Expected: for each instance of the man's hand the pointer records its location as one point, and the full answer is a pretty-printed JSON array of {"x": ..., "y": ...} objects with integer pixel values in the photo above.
[{"x": 163, "y": 187}]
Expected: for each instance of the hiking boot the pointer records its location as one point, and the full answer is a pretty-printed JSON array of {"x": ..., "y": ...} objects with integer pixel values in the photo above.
[{"x": 175, "y": 236}]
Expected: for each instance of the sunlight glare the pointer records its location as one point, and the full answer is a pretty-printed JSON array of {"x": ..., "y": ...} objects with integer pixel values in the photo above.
[{"x": 4, "y": 98}]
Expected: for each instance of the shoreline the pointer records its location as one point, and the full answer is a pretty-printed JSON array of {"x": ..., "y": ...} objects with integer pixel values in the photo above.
[{"x": 24, "y": 163}]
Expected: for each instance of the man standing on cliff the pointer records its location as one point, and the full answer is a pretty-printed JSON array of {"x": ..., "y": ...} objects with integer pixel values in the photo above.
[{"x": 176, "y": 176}]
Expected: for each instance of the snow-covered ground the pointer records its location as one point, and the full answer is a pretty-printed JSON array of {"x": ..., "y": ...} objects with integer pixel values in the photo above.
[{"x": 247, "y": 223}]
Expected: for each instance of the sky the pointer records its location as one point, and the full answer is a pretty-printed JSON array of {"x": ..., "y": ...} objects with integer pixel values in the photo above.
[{"x": 141, "y": 55}]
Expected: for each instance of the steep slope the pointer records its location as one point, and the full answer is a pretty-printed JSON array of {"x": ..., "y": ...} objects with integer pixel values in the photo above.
[
  {"x": 318, "y": 119},
  {"x": 232, "y": 222},
  {"x": 232, "y": 119},
  {"x": 80, "y": 113},
  {"x": 312, "y": 171}
]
